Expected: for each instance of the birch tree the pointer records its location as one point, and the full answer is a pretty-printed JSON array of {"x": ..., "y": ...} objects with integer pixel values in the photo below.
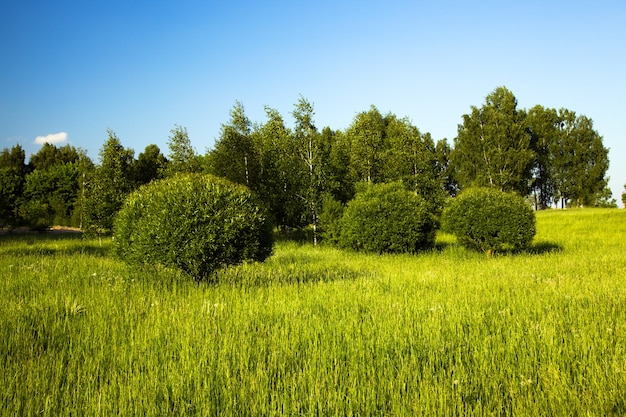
[
  {"x": 492, "y": 148},
  {"x": 234, "y": 156},
  {"x": 306, "y": 138},
  {"x": 367, "y": 143},
  {"x": 182, "y": 157}
]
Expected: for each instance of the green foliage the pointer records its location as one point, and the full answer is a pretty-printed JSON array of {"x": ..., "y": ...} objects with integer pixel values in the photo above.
[
  {"x": 281, "y": 172},
  {"x": 492, "y": 148},
  {"x": 556, "y": 156},
  {"x": 388, "y": 148},
  {"x": 579, "y": 160},
  {"x": 445, "y": 168},
  {"x": 336, "y": 164},
  {"x": 367, "y": 135},
  {"x": 11, "y": 184},
  {"x": 182, "y": 156},
  {"x": 107, "y": 187},
  {"x": 386, "y": 218},
  {"x": 309, "y": 148},
  {"x": 411, "y": 157},
  {"x": 12, "y": 178},
  {"x": 150, "y": 165},
  {"x": 490, "y": 220},
  {"x": 603, "y": 199},
  {"x": 235, "y": 156},
  {"x": 49, "y": 155},
  {"x": 197, "y": 223},
  {"x": 544, "y": 138},
  {"x": 330, "y": 219},
  {"x": 13, "y": 158},
  {"x": 50, "y": 195}
]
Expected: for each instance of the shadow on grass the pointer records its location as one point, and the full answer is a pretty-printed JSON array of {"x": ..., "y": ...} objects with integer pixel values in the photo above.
[
  {"x": 542, "y": 248},
  {"x": 539, "y": 248},
  {"x": 50, "y": 244}
]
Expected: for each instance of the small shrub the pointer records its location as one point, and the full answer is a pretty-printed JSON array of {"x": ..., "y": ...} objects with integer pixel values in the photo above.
[
  {"x": 490, "y": 220},
  {"x": 386, "y": 218},
  {"x": 194, "y": 222}
]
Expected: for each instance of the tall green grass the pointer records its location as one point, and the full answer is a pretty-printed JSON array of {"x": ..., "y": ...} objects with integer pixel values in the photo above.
[{"x": 318, "y": 331}]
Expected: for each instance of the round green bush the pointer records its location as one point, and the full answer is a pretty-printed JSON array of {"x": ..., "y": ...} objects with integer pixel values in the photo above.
[
  {"x": 386, "y": 218},
  {"x": 194, "y": 222},
  {"x": 490, "y": 220}
]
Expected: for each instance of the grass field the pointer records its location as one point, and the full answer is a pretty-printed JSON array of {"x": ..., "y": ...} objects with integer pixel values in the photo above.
[{"x": 317, "y": 331}]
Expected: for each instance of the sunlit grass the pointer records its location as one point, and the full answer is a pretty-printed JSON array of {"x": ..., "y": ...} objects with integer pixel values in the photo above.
[{"x": 318, "y": 331}]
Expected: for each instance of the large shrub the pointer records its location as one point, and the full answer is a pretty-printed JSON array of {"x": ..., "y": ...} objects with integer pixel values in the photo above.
[
  {"x": 387, "y": 218},
  {"x": 490, "y": 220},
  {"x": 194, "y": 222}
]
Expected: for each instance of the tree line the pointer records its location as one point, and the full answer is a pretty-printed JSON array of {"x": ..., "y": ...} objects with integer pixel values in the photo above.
[{"x": 305, "y": 174}]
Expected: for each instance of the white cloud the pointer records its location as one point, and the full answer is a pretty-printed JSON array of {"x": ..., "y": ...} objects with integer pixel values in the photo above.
[{"x": 51, "y": 138}]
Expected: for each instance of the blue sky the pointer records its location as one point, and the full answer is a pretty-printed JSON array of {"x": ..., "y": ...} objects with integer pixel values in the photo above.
[{"x": 74, "y": 69}]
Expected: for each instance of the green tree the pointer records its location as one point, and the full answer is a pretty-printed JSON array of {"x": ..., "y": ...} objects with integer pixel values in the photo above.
[
  {"x": 13, "y": 158},
  {"x": 624, "y": 196},
  {"x": 336, "y": 168},
  {"x": 182, "y": 156},
  {"x": 50, "y": 195},
  {"x": 367, "y": 143},
  {"x": 580, "y": 161},
  {"x": 307, "y": 140},
  {"x": 51, "y": 187},
  {"x": 49, "y": 155},
  {"x": 280, "y": 171},
  {"x": 492, "y": 148},
  {"x": 150, "y": 165},
  {"x": 445, "y": 167},
  {"x": 109, "y": 185},
  {"x": 12, "y": 178},
  {"x": 234, "y": 156},
  {"x": 542, "y": 126},
  {"x": 86, "y": 170},
  {"x": 410, "y": 157},
  {"x": 604, "y": 198}
]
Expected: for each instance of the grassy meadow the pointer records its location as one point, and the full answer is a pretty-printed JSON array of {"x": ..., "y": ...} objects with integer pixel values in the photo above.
[{"x": 318, "y": 331}]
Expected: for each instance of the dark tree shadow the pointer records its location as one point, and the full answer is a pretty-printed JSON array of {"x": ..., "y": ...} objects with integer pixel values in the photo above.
[{"x": 541, "y": 248}]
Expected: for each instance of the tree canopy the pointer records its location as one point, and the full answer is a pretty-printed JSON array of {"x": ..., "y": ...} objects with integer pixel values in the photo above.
[
  {"x": 12, "y": 179},
  {"x": 550, "y": 156},
  {"x": 182, "y": 157},
  {"x": 492, "y": 148},
  {"x": 553, "y": 155},
  {"x": 108, "y": 185}
]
